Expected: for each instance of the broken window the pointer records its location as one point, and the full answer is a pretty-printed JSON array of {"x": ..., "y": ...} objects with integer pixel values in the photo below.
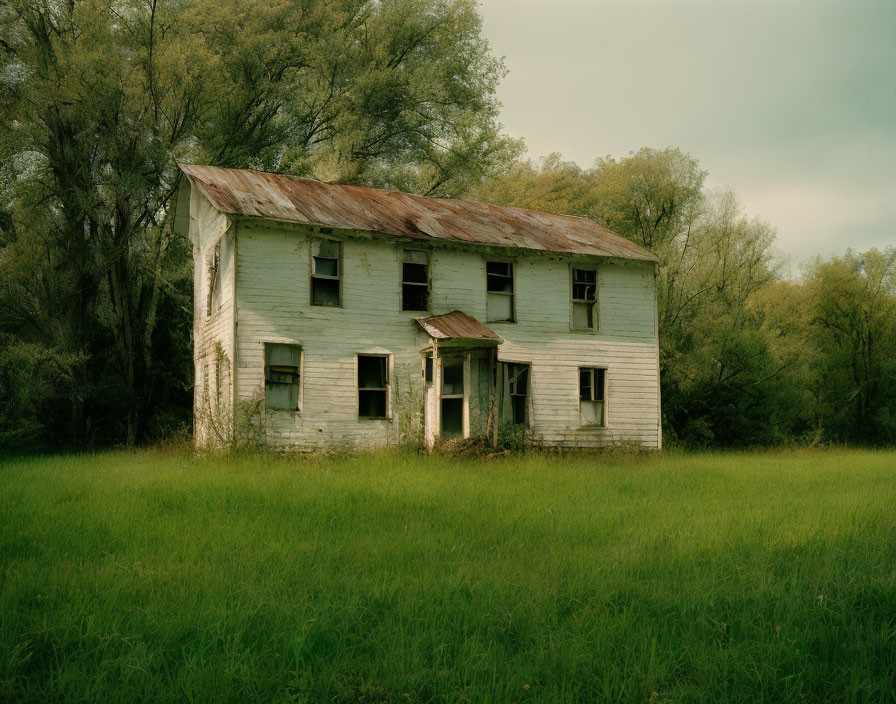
[
  {"x": 373, "y": 386},
  {"x": 452, "y": 397},
  {"x": 499, "y": 287},
  {"x": 592, "y": 396},
  {"x": 282, "y": 365},
  {"x": 518, "y": 392},
  {"x": 326, "y": 273},
  {"x": 214, "y": 280},
  {"x": 584, "y": 295},
  {"x": 415, "y": 280}
]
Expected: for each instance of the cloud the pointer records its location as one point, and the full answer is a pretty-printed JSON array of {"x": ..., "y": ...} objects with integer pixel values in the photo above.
[{"x": 789, "y": 103}]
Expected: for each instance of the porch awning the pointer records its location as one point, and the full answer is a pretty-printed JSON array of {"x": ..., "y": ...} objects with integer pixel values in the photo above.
[{"x": 459, "y": 327}]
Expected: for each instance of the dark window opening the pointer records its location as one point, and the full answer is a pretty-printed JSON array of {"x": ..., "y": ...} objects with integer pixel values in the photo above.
[
  {"x": 452, "y": 398},
  {"x": 518, "y": 381},
  {"x": 373, "y": 386},
  {"x": 452, "y": 417},
  {"x": 415, "y": 280},
  {"x": 584, "y": 295},
  {"x": 326, "y": 273},
  {"x": 499, "y": 287},
  {"x": 281, "y": 376},
  {"x": 427, "y": 370}
]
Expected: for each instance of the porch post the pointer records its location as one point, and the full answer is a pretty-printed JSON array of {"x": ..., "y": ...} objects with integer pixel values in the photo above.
[{"x": 492, "y": 405}]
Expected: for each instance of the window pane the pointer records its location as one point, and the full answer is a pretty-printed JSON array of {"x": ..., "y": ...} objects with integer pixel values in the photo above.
[
  {"x": 583, "y": 292},
  {"x": 585, "y": 384},
  {"x": 592, "y": 413},
  {"x": 519, "y": 379},
  {"x": 282, "y": 375},
  {"x": 599, "y": 383},
  {"x": 415, "y": 256},
  {"x": 284, "y": 396},
  {"x": 282, "y": 355},
  {"x": 428, "y": 370},
  {"x": 452, "y": 377},
  {"x": 519, "y": 409},
  {"x": 371, "y": 372},
  {"x": 371, "y": 404},
  {"x": 325, "y": 292},
  {"x": 500, "y": 307},
  {"x": 452, "y": 417},
  {"x": 499, "y": 268},
  {"x": 584, "y": 276},
  {"x": 415, "y": 273},
  {"x": 414, "y": 297},
  {"x": 326, "y": 267},
  {"x": 329, "y": 249},
  {"x": 499, "y": 276},
  {"x": 581, "y": 315}
]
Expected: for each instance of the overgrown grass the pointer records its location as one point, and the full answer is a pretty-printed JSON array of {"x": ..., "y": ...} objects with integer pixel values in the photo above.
[{"x": 386, "y": 578}]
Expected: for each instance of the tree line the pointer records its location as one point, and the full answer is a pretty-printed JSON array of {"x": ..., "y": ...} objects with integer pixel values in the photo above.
[{"x": 99, "y": 99}]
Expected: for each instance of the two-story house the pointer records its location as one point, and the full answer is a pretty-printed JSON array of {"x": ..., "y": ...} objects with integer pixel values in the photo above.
[{"x": 357, "y": 316}]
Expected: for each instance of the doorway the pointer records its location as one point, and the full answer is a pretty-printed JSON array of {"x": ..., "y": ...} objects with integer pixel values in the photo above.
[{"x": 452, "y": 398}]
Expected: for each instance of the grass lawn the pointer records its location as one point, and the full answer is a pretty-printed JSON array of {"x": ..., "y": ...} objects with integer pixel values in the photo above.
[{"x": 155, "y": 576}]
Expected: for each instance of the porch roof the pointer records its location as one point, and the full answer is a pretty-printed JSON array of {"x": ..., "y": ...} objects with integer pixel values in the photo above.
[{"x": 458, "y": 326}]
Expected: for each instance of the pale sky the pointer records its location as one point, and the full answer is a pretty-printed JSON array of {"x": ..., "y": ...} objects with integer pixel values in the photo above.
[{"x": 790, "y": 103}]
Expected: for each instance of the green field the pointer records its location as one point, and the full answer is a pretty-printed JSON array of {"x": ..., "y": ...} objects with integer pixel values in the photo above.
[{"x": 156, "y": 576}]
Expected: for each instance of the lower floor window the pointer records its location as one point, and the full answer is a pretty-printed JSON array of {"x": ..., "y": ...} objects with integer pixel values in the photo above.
[
  {"x": 281, "y": 376},
  {"x": 514, "y": 381},
  {"x": 592, "y": 396},
  {"x": 373, "y": 386}
]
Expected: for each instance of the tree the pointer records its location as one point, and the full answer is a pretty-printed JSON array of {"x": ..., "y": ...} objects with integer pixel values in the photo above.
[
  {"x": 852, "y": 321},
  {"x": 98, "y": 100},
  {"x": 717, "y": 369}
]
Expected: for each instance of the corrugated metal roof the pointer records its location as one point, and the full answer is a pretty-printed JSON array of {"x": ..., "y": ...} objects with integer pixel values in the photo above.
[
  {"x": 280, "y": 197},
  {"x": 457, "y": 326}
]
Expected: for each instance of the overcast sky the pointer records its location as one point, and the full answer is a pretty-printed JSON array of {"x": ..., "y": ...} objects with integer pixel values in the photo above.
[{"x": 790, "y": 103}]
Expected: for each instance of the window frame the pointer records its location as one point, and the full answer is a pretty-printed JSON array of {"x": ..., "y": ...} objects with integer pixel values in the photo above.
[
  {"x": 527, "y": 419},
  {"x": 214, "y": 280},
  {"x": 388, "y": 388},
  {"x": 463, "y": 396},
  {"x": 595, "y": 317},
  {"x": 402, "y": 283},
  {"x": 511, "y": 293},
  {"x": 605, "y": 416},
  {"x": 340, "y": 269},
  {"x": 300, "y": 371}
]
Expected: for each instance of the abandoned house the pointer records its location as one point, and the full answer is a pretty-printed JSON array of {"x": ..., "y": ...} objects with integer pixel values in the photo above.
[{"x": 331, "y": 314}]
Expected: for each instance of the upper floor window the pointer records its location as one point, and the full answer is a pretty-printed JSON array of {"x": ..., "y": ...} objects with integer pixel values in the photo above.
[
  {"x": 584, "y": 296},
  {"x": 326, "y": 273},
  {"x": 592, "y": 397},
  {"x": 414, "y": 280},
  {"x": 499, "y": 287},
  {"x": 282, "y": 368},
  {"x": 373, "y": 386}
]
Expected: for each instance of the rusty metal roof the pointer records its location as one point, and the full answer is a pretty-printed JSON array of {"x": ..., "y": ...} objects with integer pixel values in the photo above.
[
  {"x": 457, "y": 326},
  {"x": 276, "y": 196}
]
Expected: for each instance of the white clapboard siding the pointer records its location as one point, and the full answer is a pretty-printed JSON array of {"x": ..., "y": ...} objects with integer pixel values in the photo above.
[
  {"x": 207, "y": 228},
  {"x": 269, "y": 300}
]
